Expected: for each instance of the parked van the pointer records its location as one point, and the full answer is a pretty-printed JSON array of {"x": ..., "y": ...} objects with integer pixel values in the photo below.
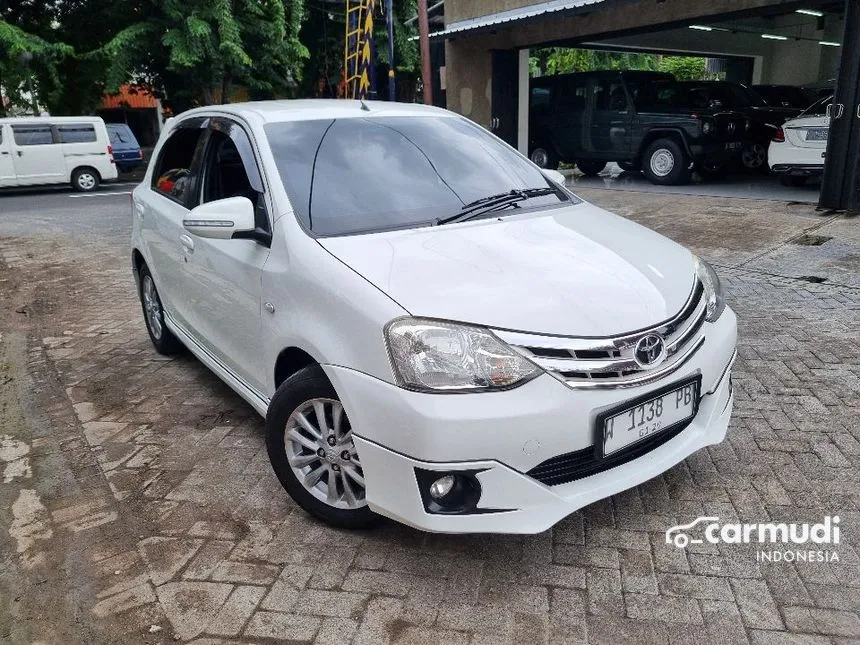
[
  {"x": 55, "y": 150},
  {"x": 126, "y": 149}
]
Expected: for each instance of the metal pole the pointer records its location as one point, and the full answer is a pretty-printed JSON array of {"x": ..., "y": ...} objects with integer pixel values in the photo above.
[
  {"x": 424, "y": 39},
  {"x": 389, "y": 12}
]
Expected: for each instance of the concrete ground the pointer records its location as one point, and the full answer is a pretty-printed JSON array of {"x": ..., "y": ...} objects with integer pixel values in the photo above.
[{"x": 137, "y": 503}]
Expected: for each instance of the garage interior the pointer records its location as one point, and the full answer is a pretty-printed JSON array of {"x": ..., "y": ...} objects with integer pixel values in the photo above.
[{"x": 812, "y": 43}]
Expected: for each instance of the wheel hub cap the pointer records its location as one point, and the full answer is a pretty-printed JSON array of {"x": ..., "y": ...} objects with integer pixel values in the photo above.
[
  {"x": 662, "y": 162},
  {"x": 152, "y": 308},
  {"x": 321, "y": 452},
  {"x": 540, "y": 157}
]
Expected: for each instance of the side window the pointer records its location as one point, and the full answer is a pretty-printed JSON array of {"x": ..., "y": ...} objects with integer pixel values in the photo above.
[
  {"x": 571, "y": 96},
  {"x": 230, "y": 169},
  {"x": 173, "y": 171},
  {"x": 609, "y": 96},
  {"x": 32, "y": 135},
  {"x": 77, "y": 133}
]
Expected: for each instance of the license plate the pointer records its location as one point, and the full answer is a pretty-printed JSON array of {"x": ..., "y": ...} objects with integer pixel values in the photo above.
[
  {"x": 639, "y": 421},
  {"x": 818, "y": 134},
  {"x": 734, "y": 145}
]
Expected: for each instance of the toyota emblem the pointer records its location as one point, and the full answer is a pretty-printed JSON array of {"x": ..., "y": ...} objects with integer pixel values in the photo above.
[{"x": 649, "y": 351}]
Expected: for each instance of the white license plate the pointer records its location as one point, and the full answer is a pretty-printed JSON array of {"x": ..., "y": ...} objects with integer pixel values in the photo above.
[
  {"x": 817, "y": 134},
  {"x": 645, "y": 419}
]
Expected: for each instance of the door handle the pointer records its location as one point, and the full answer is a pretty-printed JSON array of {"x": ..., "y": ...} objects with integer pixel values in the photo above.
[
  {"x": 187, "y": 242},
  {"x": 6, "y": 153}
]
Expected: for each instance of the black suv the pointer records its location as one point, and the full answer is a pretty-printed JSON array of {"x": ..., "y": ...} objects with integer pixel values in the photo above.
[
  {"x": 638, "y": 119},
  {"x": 764, "y": 119}
]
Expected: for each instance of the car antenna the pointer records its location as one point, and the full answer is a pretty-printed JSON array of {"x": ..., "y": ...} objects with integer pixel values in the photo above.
[{"x": 364, "y": 106}]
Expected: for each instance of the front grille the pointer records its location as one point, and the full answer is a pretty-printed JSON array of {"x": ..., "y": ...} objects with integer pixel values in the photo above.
[
  {"x": 609, "y": 362},
  {"x": 584, "y": 463}
]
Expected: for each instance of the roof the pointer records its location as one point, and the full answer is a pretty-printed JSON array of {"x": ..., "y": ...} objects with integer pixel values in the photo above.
[
  {"x": 15, "y": 120},
  {"x": 129, "y": 96},
  {"x": 312, "y": 109},
  {"x": 513, "y": 15}
]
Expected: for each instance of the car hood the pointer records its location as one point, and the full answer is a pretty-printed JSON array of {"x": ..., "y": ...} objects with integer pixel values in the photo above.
[{"x": 571, "y": 271}]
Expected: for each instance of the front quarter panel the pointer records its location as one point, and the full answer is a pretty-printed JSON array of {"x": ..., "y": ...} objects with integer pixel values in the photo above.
[{"x": 322, "y": 307}]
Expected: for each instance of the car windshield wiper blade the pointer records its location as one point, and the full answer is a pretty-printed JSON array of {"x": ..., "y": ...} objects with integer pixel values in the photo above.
[{"x": 494, "y": 202}]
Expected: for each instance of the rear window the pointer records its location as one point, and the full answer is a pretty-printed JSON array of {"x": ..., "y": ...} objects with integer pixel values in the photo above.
[
  {"x": 77, "y": 133},
  {"x": 121, "y": 136},
  {"x": 32, "y": 135},
  {"x": 368, "y": 174}
]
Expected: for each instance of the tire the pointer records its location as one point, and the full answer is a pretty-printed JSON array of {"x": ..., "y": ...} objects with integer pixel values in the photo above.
[
  {"x": 590, "y": 167},
  {"x": 544, "y": 157},
  {"x": 85, "y": 180},
  {"x": 665, "y": 163},
  {"x": 795, "y": 181},
  {"x": 629, "y": 166},
  {"x": 298, "y": 449},
  {"x": 153, "y": 316},
  {"x": 754, "y": 157}
]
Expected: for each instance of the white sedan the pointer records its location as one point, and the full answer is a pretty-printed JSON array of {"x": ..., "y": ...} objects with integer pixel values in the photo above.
[{"x": 799, "y": 146}]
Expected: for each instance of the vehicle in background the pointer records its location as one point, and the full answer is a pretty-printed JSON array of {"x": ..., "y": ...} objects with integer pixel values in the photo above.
[
  {"x": 55, "y": 150},
  {"x": 632, "y": 118},
  {"x": 822, "y": 89},
  {"x": 799, "y": 147},
  {"x": 126, "y": 149},
  {"x": 764, "y": 119},
  {"x": 785, "y": 96}
]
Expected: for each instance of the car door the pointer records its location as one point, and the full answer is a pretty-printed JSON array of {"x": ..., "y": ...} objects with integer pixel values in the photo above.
[
  {"x": 36, "y": 156},
  {"x": 161, "y": 208},
  {"x": 224, "y": 277},
  {"x": 608, "y": 132},
  {"x": 7, "y": 168}
]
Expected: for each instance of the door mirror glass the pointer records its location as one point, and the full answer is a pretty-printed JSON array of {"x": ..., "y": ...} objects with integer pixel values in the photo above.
[
  {"x": 221, "y": 219},
  {"x": 553, "y": 175}
]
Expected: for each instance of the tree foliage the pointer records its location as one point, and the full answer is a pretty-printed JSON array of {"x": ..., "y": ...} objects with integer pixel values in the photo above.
[
  {"x": 563, "y": 60},
  {"x": 684, "y": 68}
]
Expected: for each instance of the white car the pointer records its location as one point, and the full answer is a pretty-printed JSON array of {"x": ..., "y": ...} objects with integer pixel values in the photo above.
[
  {"x": 434, "y": 330},
  {"x": 798, "y": 148},
  {"x": 55, "y": 150}
]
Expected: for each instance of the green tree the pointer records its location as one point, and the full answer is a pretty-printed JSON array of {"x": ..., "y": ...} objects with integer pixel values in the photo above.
[{"x": 684, "y": 68}]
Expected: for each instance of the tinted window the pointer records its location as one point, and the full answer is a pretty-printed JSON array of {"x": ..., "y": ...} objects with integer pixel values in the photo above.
[
  {"x": 354, "y": 175},
  {"x": 77, "y": 133},
  {"x": 117, "y": 136},
  {"x": 609, "y": 96},
  {"x": 819, "y": 108},
  {"x": 173, "y": 176},
  {"x": 783, "y": 95},
  {"x": 32, "y": 135},
  {"x": 572, "y": 94}
]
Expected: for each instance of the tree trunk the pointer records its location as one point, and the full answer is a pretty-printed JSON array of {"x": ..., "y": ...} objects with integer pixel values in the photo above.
[{"x": 226, "y": 87}]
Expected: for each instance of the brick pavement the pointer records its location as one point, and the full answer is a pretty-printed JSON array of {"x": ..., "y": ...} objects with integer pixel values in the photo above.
[{"x": 149, "y": 491}]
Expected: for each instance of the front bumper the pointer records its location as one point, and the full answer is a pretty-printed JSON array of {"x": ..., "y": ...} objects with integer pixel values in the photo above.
[{"x": 503, "y": 435}]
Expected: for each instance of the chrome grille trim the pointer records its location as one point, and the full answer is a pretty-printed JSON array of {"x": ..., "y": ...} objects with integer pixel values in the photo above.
[{"x": 592, "y": 363}]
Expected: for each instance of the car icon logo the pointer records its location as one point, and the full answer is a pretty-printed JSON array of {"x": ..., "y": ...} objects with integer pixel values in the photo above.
[
  {"x": 649, "y": 350},
  {"x": 678, "y": 535}
]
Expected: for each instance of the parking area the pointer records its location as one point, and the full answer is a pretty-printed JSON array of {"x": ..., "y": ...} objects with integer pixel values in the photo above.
[{"x": 138, "y": 504}]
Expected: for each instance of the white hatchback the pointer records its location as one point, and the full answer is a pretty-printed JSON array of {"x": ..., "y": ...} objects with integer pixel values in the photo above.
[{"x": 434, "y": 329}]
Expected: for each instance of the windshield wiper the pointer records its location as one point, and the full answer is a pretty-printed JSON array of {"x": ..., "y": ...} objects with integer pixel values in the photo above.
[{"x": 494, "y": 202}]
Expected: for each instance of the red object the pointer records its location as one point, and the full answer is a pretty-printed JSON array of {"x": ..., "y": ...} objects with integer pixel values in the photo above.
[
  {"x": 779, "y": 135},
  {"x": 129, "y": 96},
  {"x": 110, "y": 154}
]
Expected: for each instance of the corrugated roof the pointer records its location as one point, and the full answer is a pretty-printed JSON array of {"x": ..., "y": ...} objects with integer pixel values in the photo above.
[{"x": 513, "y": 15}]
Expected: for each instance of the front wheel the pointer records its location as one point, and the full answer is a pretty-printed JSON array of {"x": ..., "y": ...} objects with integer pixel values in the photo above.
[
  {"x": 153, "y": 314},
  {"x": 754, "y": 158},
  {"x": 310, "y": 446},
  {"x": 590, "y": 167},
  {"x": 544, "y": 157},
  {"x": 666, "y": 163}
]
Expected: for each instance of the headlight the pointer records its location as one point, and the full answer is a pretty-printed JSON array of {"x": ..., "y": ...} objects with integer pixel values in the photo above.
[
  {"x": 713, "y": 289},
  {"x": 434, "y": 356}
]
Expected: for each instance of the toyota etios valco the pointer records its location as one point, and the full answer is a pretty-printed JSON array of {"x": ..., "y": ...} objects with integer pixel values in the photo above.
[{"x": 435, "y": 330}]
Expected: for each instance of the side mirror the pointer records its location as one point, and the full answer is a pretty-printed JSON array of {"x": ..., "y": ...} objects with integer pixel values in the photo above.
[
  {"x": 221, "y": 219},
  {"x": 553, "y": 175}
]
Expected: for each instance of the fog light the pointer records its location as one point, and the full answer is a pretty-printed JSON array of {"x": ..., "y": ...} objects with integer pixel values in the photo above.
[{"x": 442, "y": 487}]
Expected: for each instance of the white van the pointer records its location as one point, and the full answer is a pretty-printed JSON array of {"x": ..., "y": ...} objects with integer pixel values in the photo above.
[{"x": 55, "y": 150}]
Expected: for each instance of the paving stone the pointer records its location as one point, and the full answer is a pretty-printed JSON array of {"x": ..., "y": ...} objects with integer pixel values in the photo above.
[
  {"x": 756, "y": 605},
  {"x": 236, "y": 610},
  {"x": 283, "y": 627}
]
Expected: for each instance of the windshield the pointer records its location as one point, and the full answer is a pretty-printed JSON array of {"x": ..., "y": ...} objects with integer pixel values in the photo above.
[
  {"x": 819, "y": 108},
  {"x": 359, "y": 175},
  {"x": 782, "y": 95}
]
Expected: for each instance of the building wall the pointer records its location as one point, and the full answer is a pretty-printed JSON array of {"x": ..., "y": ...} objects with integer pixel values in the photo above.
[
  {"x": 463, "y": 9},
  {"x": 468, "y": 87}
]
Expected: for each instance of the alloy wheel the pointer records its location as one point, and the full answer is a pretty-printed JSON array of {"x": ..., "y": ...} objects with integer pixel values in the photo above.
[
  {"x": 86, "y": 181},
  {"x": 754, "y": 156},
  {"x": 540, "y": 157},
  {"x": 152, "y": 307},
  {"x": 322, "y": 455}
]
